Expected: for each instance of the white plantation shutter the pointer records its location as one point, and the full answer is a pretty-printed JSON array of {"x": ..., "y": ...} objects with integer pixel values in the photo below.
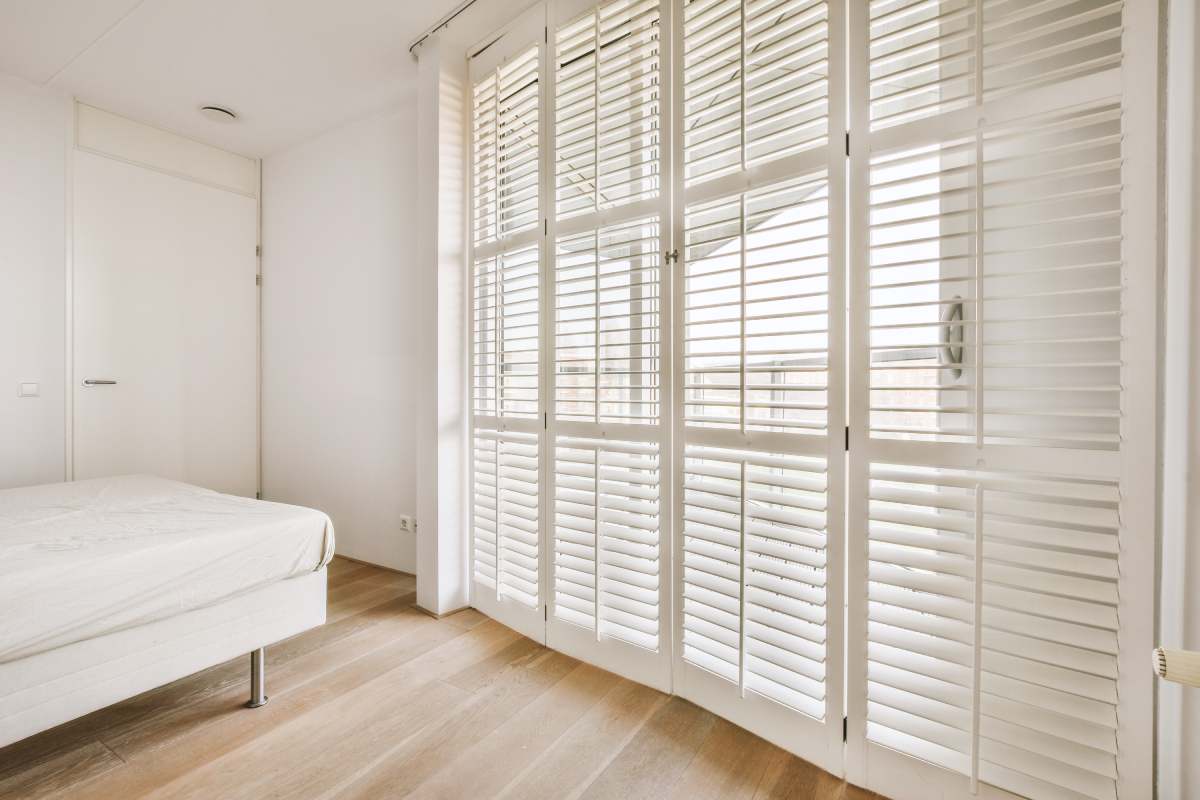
[
  {"x": 607, "y": 417},
  {"x": 757, "y": 303},
  {"x": 506, "y": 515},
  {"x": 607, "y": 131},
  {"x": 1047, "y": 686},
  {"x": 607, "y": 548},
  {"x": 606, "y": 325},
  {"x": 517, "y": 109},
  {"x": 909, "y": 495},
  {"x": 755, "y": 82},
  {"x": 506, "y": 339},
  {"x": 505, "y": 152},
  {"x": 754, "y": 568},
  {"x": 991, "y": 492},
  {"x": 759, "y": 366}
]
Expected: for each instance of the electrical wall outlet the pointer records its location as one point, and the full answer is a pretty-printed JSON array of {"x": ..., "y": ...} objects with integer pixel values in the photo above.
[{"x": 408, "y": 524}]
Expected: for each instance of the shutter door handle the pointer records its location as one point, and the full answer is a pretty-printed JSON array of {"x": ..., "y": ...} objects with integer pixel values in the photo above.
[{"x": 951, "y": 350}]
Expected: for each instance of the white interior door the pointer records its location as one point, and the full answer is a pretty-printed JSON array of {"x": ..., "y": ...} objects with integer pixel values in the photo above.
[{"x": 165, "y": 307}]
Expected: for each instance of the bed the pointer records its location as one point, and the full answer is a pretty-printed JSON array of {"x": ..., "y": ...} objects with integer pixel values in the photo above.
[{"x": 114, "y": 586}]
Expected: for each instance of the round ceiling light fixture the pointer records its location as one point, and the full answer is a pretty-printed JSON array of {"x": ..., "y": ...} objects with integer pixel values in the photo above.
[{"x": 218, "y": 114}]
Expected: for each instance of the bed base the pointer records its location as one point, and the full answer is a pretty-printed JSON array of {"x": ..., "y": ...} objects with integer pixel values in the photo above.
[{"x": 50, "y": 688}]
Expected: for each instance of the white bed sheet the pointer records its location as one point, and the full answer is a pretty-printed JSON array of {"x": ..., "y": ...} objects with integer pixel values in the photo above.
[{"x": 85, "y": 559}]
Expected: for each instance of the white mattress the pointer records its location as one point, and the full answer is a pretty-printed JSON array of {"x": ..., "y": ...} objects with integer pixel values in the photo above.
[{"x": 84, "y": 559}]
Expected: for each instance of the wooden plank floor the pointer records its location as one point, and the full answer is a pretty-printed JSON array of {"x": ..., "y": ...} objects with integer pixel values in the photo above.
[{"x": 384, "y": 701}]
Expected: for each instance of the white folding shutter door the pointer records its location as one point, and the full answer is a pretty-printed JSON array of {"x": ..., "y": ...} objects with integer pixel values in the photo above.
[
  {"x": 758, "y": 182},
  {"x": 607, "y": 573},
  {"x": 988, "y": 503},
  {"x": 507, "y": 460}
]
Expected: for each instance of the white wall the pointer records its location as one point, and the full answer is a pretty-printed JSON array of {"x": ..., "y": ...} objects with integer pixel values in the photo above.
[
  {"x": 340, "y": 331},
  {"x": 34, "y": 129},
  {"x": 1179, "y": 622},
  {"x": 442, "y": 550}
]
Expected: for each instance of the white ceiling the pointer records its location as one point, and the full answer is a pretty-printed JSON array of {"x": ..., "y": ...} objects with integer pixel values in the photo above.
[{"x": 290, "y": 68}]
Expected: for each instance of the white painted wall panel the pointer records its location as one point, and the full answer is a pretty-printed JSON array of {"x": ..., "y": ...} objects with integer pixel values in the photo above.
[
  {"x": 341, "y": 332},
  {"x": 34, "y": 128},
  {"x": 1179, "y": 620},
  {"x": 113, "y": 135}
]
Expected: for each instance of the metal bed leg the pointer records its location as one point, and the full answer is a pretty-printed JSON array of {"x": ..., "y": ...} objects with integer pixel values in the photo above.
[{"x": 258, "y": 678}]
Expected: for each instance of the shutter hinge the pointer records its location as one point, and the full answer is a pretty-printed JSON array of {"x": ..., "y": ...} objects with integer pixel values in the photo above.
[
  {"x": 258, "y": 249},
  {"x": 545, "y": 227},
  {"x": 671, "y": 256},
  {"x": 546, "y": 33},
  {"x": 847, "y": 438},
  {"x": 545, "y": 613},
  {"x": 545, "y": 420},
  {"x": 845, "y": 728},
  {"x": 847, "y": 143},
  {"x": 258, "y": 279},
  {"x": 258, "y": 495}
]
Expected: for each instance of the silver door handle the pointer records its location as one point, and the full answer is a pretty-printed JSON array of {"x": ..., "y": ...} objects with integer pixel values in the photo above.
[{"x": 92, "y": 382}]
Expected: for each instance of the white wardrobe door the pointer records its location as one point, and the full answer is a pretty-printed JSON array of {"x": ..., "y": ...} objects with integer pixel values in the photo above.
[{"x": 165, "y": 305}]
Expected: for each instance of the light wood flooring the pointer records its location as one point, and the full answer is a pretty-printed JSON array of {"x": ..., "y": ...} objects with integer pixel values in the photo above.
[{"x": 385, "y": 701}]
